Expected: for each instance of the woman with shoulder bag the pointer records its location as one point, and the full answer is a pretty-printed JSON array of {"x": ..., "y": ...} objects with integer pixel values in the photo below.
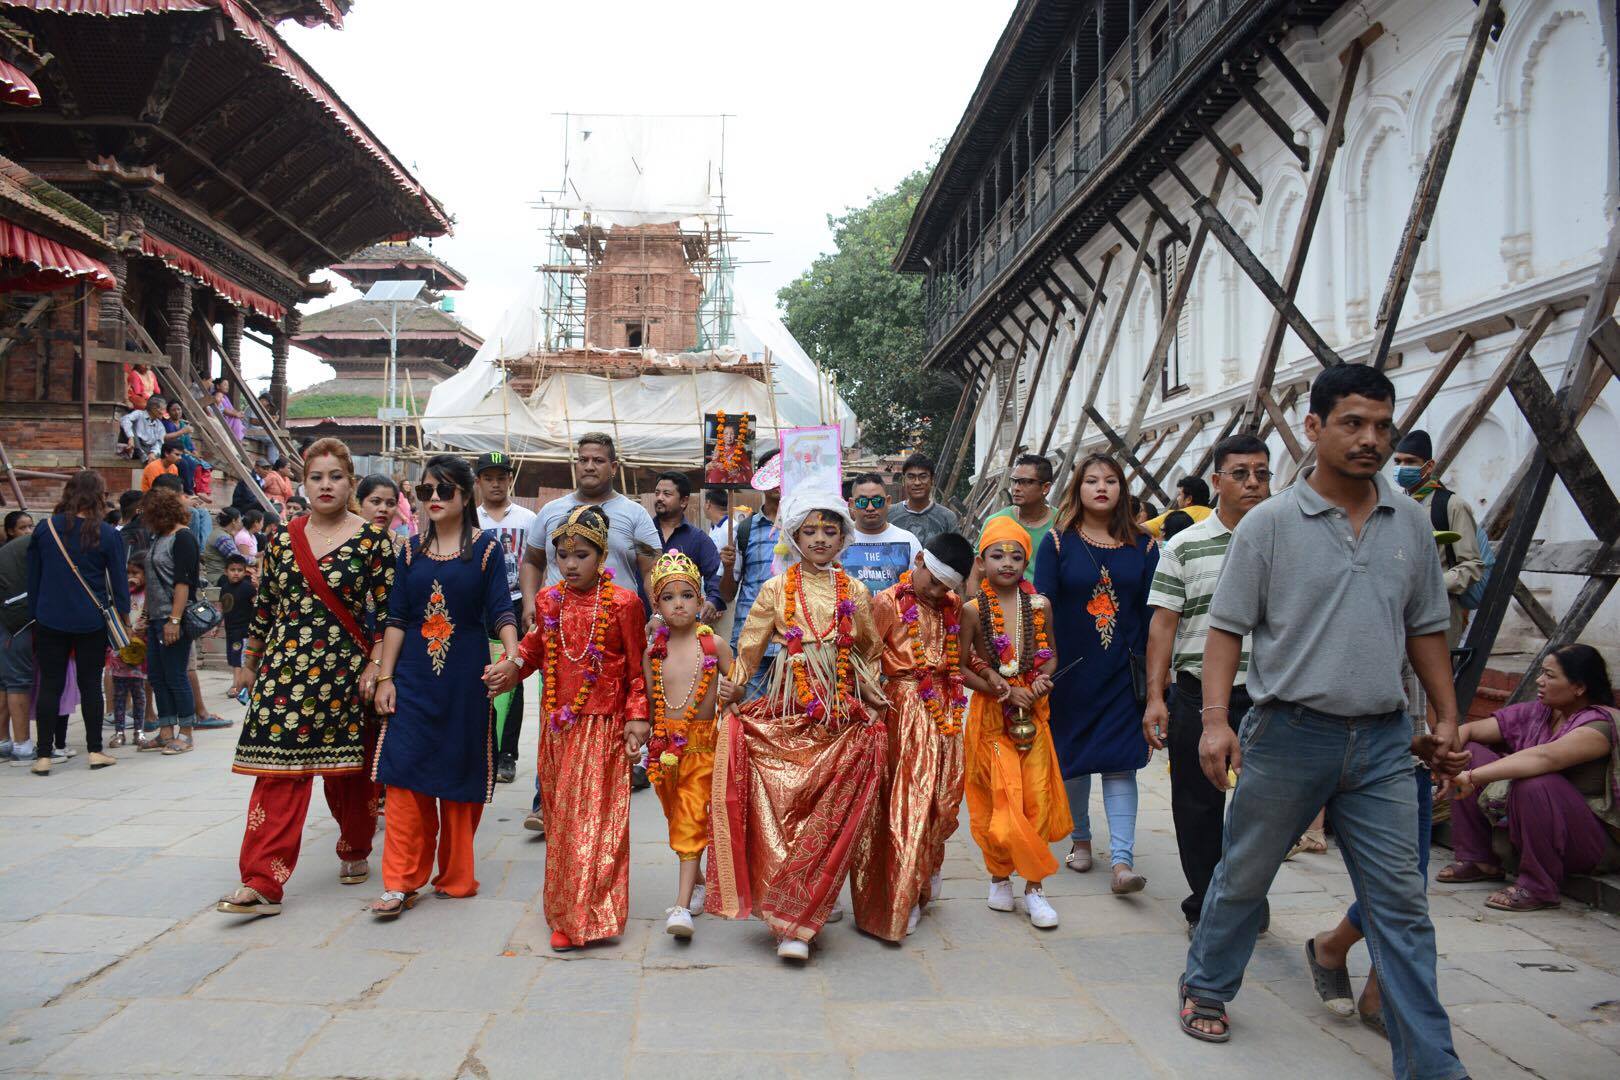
[
  {"x": 77, "y": 560},
  {"x": 1095, "y": 566},
  {"x": 172, "y": 565}
]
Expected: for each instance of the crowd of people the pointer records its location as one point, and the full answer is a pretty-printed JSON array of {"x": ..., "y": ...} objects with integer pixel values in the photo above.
[{"x": 885, "y": 664}]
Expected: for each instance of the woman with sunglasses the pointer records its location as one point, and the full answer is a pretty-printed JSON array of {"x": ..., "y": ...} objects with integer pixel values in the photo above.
[
  {"x": 436, "y": 751},
  {"x": 312, "y": 667}
]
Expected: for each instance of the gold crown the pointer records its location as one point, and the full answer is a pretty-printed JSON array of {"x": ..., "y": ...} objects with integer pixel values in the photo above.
[{"x": 671, "y": 565}]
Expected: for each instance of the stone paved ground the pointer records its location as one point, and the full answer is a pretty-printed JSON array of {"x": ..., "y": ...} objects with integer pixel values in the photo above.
[{"x": 113, "y": 963}]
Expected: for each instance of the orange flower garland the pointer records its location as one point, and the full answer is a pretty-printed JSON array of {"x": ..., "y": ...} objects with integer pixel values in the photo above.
[
  {"x": 667, "y": 743},
  {"x": 947, "y": 716},
  {"x": 564, "y": 717},
  {"x": 843, "y": 624},
  {"x": 732, "y": 453},
  {"x": 1012, "y": 664}
]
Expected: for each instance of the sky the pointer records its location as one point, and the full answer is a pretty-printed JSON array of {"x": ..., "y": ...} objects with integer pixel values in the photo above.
[{"x": 827, "y": 104}]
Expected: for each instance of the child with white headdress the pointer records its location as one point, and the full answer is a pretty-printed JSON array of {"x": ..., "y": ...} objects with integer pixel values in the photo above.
[{"x": 797, "y": 772}]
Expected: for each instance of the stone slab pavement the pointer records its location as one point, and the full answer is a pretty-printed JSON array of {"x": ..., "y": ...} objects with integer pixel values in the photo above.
[{"x": 113, "y": 963}]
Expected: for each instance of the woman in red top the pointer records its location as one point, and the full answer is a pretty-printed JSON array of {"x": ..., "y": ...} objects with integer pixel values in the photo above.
[
  {"x": 588, "y": 640},
  {"x": 140, "y": 383}
]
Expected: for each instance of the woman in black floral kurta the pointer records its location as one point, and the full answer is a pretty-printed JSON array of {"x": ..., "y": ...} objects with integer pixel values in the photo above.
[{"x": 313, "y": 668}]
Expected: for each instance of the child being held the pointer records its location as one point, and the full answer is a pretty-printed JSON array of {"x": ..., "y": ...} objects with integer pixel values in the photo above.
[
  {"x": 685, "y": 655},
  {"x": 127, "y": 666}
]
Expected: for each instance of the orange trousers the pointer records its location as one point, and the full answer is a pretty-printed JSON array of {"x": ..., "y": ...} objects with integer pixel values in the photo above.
[
  {"x": 418, "y": 824},
  {"x": 685, "y": 793},
  {"x": 1016, "y": 803}
]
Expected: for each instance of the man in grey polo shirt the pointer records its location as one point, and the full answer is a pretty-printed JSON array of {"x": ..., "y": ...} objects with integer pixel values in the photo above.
[{"x": 1337, "y": 580}]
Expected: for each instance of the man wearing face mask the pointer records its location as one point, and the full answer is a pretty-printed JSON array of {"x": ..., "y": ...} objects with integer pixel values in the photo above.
[{"x": 1413, "y": 471}]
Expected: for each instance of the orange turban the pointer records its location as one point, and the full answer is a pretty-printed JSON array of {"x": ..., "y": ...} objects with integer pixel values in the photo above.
[{"x": 1004, "y": 530}]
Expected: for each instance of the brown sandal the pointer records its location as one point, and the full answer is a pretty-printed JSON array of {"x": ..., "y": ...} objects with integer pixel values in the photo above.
[
  {"x": 1461, "y": 873},
  {"x": 256, "y": 904},
  {"x": 1514, "y": 898},
  {"x": 401, "y": 902}
]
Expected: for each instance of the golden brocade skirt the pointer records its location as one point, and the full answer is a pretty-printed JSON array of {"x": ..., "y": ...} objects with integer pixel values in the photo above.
[
  {"x": 791, "y": 798},
  {"x": 1016, "y": 803},
  {"x": 585, "y": 789},
  {"x": 916, "y": 813}
]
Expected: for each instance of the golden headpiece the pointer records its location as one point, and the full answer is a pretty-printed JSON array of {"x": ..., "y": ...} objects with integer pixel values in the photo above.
[
  {"x": 671, "y": 566},
  {"x": 589, "y": 523}
]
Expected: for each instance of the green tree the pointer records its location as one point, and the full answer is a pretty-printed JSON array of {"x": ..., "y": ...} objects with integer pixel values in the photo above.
[{"x": 864, "y": 322}]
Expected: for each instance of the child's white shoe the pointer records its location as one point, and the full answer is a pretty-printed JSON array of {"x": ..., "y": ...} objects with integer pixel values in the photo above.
[
  {"x": 699, "y": 896},
  {"x": 1041, "y": 914},
  {"x": 679, "y": 923},
  {"x": 913, "y": 919},
  {"x": 1001, "y": 896},
  {"x": 794, "y": 949}
]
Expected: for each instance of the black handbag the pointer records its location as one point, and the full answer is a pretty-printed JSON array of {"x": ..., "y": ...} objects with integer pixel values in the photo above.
[{"x": 199, "y": 618}]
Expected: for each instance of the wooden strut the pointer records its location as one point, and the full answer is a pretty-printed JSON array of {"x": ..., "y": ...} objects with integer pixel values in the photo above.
[
  {"x": 1007, "y": 392},
  {"x": 1172, "y": 311},
  {"x": 1127, "y": 287},
  {"x": 1481, "y": 404},
  {"x": 252, "y": 401},
  {"x": 972, "y": 421},
  {"x": 1316, "y": 192},
  {"x": 1202, "y": 465},
  {"x": 947, "y": 446},
  {"x": 1075, "y": 348},
  {"x": 1193, "y": 428},
  {"x": 1427, "y": 195},
  {"x": 1034, "y": 383}
]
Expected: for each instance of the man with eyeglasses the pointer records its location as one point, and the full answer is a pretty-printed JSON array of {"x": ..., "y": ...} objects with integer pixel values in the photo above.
[
  {"x": 881, "y": 551},
  {"x": 1183, "y": 583},
  {"x": 918, "y": 513},
  {"x": 1030, "y": 483}
]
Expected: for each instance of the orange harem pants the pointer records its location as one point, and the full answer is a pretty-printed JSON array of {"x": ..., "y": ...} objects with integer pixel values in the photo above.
[
  {"x": 1016, "y": 803},
  {"x": 275, "y": 825},
  {"x": 916, "y": 814},
  {"x": 417, "y": 824},
  {"x": 684, "y": 793},
  {"x": 585, "y": 788}
]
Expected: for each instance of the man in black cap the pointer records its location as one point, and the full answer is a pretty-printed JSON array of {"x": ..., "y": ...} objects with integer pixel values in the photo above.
[
  {"x": 1412, "y": 467},
  {"x": 509, "y": 523}
]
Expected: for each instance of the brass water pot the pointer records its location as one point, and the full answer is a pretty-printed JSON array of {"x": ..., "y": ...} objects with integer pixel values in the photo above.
[{"x": 1021, "y": 730}]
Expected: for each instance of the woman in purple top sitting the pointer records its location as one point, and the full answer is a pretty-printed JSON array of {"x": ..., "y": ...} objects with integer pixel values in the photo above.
[{"x": 1556, "y": 757}]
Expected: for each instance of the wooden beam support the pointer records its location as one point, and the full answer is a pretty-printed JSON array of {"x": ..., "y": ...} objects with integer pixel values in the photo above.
[
  {"x": 1172, "y": 312},
  {"x": 1171, "y": 224},
  {"x": 1316, "y": 192},
  {"x": 1566, "y": 451},
  {"x": 1527, "y": 603},
  {"x": 1231, "y": 155},
  {"x": 1075, "y": 348},
  {"x": 1075, "y": 303},
  {"x": 1196, "y": 425},
  {"x": 1493, "y": 388},
  {"x": 967, "y": 433},
  {"x": 1130, "y": 239},
  {"x": 1007, "y": 393},
  {"x": 1158, "y": 441},
  {"x": 1124, "y": 452},
  {"x": 1292, "y": 76},
  {"x": 1427, "y": 195},
  {"x": 1106, "y": 354},
  {"x": 1034, "y": 383},
  {"x": 1208, "y": 456},
  {"x": 1276, "y": 295},
  {"x": 1268, "y": 116},
  {"x": 1074, "y": 264},
  {"x": 1585, "y": 558},
  {"x": 1280, "y": 424},
  {"x": 1461, "y": 345},
  {"x": 1570, "y": 627}
]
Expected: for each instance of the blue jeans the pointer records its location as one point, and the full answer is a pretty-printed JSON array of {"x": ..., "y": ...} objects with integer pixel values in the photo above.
[
  {"x": 1425, "y": 838},
  {"x": 1119, "y": 804},
  {"x": 166, "y": 670},
  {"x": 1292, "y": 758}
]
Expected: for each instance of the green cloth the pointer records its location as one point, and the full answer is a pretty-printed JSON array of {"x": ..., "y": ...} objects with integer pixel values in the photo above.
[{"x": 1035, "y": 535}]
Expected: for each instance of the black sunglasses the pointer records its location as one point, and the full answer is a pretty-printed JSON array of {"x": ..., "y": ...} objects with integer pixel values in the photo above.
[{"x": 444, "y": 489}]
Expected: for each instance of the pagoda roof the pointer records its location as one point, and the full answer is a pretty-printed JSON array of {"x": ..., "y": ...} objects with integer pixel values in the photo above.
[
  {"x": 346, "y": 330},
  {"x": 225, "y": 115},
  {"x": 391, "y": 259},
  {"x": 50, "y": 211}
]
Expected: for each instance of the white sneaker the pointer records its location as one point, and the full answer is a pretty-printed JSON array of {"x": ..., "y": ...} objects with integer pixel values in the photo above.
[
  {"x": 62, "y": 755},
  {"x": 1001, "y": 896},
  {"x": 1041, "y": 914},
  {"x": 913, "y": 919},
  {"x": 836, "y": 914},
  {"x": 679, "y": 923},
  {"x": 935, "y": 884},
  {"x": 794, "y": 949},
  {"x": 700, "y": 895},
  {"x": 22, "y": 754}
]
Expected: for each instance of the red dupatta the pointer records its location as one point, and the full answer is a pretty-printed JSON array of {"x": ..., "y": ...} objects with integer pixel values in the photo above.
[{"x": 304, "y": 555}]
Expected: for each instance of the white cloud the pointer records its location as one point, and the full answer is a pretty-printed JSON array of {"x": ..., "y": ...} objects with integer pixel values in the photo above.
[{"x": 827, "y": 103}]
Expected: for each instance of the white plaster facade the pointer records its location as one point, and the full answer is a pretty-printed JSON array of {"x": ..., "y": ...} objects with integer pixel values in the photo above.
[{"x": 1522, "y": 220}]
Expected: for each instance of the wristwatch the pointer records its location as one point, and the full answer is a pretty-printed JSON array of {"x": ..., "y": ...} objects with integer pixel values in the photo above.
[{"x": 175, "y": 619}]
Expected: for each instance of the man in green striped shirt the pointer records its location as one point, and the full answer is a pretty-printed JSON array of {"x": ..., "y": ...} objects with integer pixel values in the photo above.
[{"x": 1183, "y": 584}]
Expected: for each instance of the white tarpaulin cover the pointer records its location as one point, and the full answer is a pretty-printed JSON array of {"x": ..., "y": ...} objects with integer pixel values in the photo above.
[
  {"x": 655, "y": 418},
  {"x": 642, "y": 170}
]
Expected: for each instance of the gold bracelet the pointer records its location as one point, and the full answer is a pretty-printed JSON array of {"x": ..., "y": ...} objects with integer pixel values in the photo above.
[{"x": 384, "y": 678}]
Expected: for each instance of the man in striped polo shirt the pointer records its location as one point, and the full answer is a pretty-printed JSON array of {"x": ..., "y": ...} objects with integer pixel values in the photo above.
[{"x": 1183, "y": 584}]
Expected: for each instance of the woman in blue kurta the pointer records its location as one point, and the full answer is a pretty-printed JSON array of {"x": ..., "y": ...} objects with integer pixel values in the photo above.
[
  {"x": 435, "y": 752},
  {"x": 1095, "y": 567}
]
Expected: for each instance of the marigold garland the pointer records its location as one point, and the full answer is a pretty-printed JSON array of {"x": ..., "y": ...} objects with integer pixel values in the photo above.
[
  {"x": 842, "y": 625},
  {"x": 667, "y": 743},
  {"x": 1012, "y": 665},
  {"x": 947, "y": 718},
  {"x": 601, "y": 615},
  {"x": 731, "y": 453}
]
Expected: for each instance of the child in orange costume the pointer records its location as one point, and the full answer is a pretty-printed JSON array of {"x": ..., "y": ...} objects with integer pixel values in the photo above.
[
  {"x": 588, "y": 639},
  {"x": 1016, "y": 802},
  {"x": 680, "y": 753}
]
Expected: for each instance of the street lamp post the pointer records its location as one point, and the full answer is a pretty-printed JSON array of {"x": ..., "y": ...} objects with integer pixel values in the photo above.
[{"x": 393, "y": 293}]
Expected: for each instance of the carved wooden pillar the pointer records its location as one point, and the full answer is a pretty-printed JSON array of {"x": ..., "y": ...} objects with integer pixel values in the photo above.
[
  {"x": 232, "y": 332},
  {"x": 281, "y": 345},
  {"x": 177, "y": 343}
]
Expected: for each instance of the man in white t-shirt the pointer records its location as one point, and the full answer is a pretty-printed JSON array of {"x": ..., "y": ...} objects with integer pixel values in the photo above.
[
  {"x": 509, "y": 522},
  {"x": 881, "y": 551}
]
